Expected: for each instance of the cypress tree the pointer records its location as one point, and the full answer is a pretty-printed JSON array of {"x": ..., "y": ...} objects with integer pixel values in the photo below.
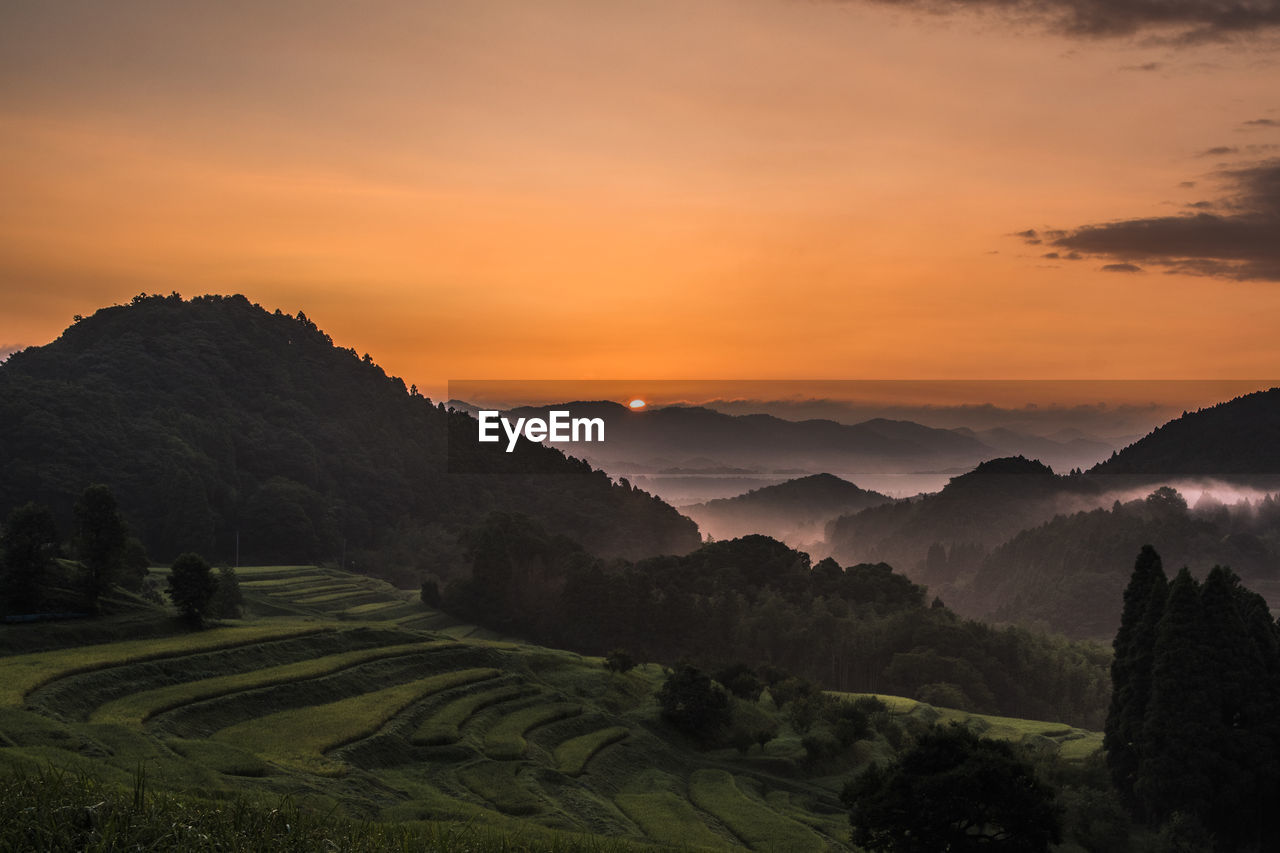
[
  {"x": 1245, "y": 664},
  {"x": 1177, "y": 760},
  {"x": 1131, "y": 667}
]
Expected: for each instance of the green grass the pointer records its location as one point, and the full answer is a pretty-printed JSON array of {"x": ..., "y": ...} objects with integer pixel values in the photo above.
[
  {"x": 758, "y": 826},
  {"x": 669, "y": 819},
  {"x": 371, "y": 607},
  {"x": 223, "y": 757},
  {"x": 444, "y": 725},
  {"x": 1072, "y": 743},
  {"x": 572, "y": 756},
  {"x": 496, "y": 782},
  {"x": 20, "y": 674},
  {"x": 137, "y": 708},
  {"x": 299, "y": 738},
  {"x": 505, "y": 739},
  {"x": 270, "y": 585},
  {"x": 60, "y": 812}
]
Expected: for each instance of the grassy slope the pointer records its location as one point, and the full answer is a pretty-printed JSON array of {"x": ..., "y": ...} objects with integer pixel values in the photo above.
[{"x": 411, "y": 723}]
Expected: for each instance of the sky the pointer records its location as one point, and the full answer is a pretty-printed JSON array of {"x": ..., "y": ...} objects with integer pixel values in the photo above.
[{"x": 704, "y": 189}]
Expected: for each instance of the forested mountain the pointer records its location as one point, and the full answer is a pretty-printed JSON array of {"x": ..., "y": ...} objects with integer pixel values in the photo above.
[
  {"x": 1068, "y": 574},
  {"x": 213, "y": 419},
  {"x": 795, "y": 512},
  {"x": 1238, "y": 438},
  {"x": 972, "y": 514},
  {"x": 754, "y": 600}
]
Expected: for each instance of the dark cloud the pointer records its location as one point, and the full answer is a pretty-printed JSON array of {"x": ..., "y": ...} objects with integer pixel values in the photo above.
[
  {"x": 1218, "y": 151},
  {"x": 1184, "y": 21},
  {"x": 1051, "y": 255},
  {"x": 1241, "y": 244},
  {"x": 1261, "y": 122},
  {"x": 1146, "y": 66},
  {"x": 1186, "y": 185},
  {"x": 1121, "y": 268}
]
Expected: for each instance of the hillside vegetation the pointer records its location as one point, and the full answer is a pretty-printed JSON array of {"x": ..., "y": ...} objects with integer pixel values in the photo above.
[
  {"x": 218, "y": 425},
  {"x": 795, "y": 512},
  {"x": 356, "y": 701}
]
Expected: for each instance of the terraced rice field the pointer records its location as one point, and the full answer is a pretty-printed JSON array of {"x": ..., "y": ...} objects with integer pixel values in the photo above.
[{"x": 347, "y": 694}]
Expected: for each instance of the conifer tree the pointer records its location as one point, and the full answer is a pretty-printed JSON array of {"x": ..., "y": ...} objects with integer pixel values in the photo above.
[
  {"x": 1177, "y": 760},
  {"x": 1131, "y": 666}
]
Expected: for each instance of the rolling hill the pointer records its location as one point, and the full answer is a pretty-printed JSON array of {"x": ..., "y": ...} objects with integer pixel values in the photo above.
[
  {"x": 224, "y": 428},
  {"x": 354, "y": 700},
  {"x": 795, "y": 512},
  {"x": 1235, "y": 439}
]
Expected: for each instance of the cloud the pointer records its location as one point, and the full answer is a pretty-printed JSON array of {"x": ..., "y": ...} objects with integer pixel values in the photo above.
[
  {"x": 1241, "y": 244},
  {"x": 1261, "y": 122},
  {"x": 1180, "y": 21},
  {"x": 1146, "y": 66},
  {"x": 1122, "y": 268},
  {"x": 1218, "y": 151}
]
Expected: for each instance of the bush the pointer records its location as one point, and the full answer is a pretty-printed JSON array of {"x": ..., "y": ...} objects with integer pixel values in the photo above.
[
  {"x": 693, "y": 704},
  {"x": 227, "y": 599},
  {"x": 619, "y": 661},
  {"x": 192, "y": 586}
]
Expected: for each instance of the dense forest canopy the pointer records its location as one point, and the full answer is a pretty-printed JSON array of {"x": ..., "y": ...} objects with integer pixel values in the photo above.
[
  {"x": 862, "y": 628},
  {"x": 218, "y": 425}
]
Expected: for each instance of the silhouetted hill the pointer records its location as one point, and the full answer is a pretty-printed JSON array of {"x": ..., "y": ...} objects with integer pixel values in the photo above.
[
  {"x": 973, "y": 513},
  {"x": 1063, "y": 452},
  {"x": 1069, "y": 573},
  {"x": 213, "y": 417},
  {"x": 795, "y": 512},
  {"x": 1238, "y": 438}
]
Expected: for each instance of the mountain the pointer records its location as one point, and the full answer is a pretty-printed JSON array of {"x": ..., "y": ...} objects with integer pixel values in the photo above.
[
  {"x": 795, "y": 512},
  {"x": 937, "y": 538},
  {"x": 1238, "y": 438},
  {"x": 1070, "y": 573},
  {"x": 224, "y": 429},
  {"x": 761, "y": 443},
  {"x": 1068, "y": 452}
]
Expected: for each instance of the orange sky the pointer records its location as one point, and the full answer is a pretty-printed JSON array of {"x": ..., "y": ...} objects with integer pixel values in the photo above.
[{"x": 719, "y": 188}]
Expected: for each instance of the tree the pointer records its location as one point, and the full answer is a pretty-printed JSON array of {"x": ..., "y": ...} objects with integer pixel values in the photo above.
[
  {"x": 619, "y": 660},
  {"x": 192, "y": 586},
  {"x": 227, "y": 600},
  {"x": 1177, "y": 758},
  {"x": 1131, "y": 667},
  {"x": 693, "y": 704},
  {"x": 953, "y": 791},
  {"x": 27, "y": 548},
  {"x": 430, "y": 593},
  {"x": 101, "y": 540}
]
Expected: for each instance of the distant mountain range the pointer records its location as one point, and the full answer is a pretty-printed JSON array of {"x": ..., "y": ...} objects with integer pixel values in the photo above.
[
  {"x": 1012, "y": 540},
  {"x": 691, "y": 454}
]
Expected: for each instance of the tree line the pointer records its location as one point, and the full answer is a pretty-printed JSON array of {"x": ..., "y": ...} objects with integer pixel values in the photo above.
[
  {"x": 861, "y": 628},
  {"x": 1193, "y": 730}
]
